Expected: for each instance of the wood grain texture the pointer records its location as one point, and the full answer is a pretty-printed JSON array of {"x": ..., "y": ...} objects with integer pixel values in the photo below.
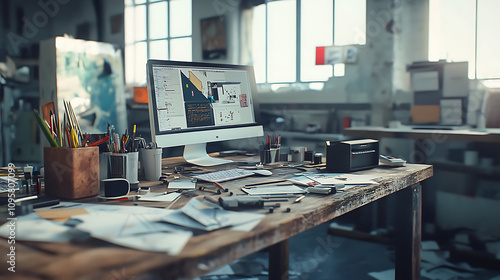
[{"x": 94, "y": 259}]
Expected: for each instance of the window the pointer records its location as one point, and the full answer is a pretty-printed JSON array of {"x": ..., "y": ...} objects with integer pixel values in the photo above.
[
  {"x": 150, "y": 33},
  {"x": 465, "y": 30},
  {"x": 287, "y": 32}
]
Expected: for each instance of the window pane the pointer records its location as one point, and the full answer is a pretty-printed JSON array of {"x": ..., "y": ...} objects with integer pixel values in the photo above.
[
  {"x": 158, "y": 20},
  {"x": 451, "y": 31},
  {"x": 180, "y": 18},
  {"x": 488, "y": 39},
  {"x": 281, "y": 41},
  {"x": 129, "y": 63},
  {"x": 180, "y": 49},
  {"x": 141, "y": 57},
  {"x": 259, "y": 43},
  {"x": 158, "y": 49},
  {"x": 350, "y": 22},
  {"x": 140, "y": 23},
  {"x": 140, "y": 1},
  {"x": 129, "y": 19},
  {"x": 316, "y": 30}
]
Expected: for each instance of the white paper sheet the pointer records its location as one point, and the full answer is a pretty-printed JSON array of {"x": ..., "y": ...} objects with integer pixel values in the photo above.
[
  {"x": 264, "y": 190},
  {"x": 429, "y": 245},
  {"x": 346, "y": 179},
  {"x": 181, "y": 184},
  {"x": 169, "y": 242},
  {"x": 384, "y": 275},
  {"x": 130, "y": 226},
  {"x": 38, "y": 229},
  {"x": 159, "y": 197},
  {"x": 206, "y": 216}
]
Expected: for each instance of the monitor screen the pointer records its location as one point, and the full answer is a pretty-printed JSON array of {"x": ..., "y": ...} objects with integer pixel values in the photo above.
[{"x": 192, "y": 104}]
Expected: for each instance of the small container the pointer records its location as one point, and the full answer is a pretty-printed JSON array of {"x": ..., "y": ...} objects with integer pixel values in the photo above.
[
  {"x": 309, "y": 156},
  {"x": 71, "y": 173},
  {"x": 318, "y": 158}
]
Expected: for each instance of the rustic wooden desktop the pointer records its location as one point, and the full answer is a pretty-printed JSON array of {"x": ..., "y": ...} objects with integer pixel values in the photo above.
[{"x": 95, "y": 259}]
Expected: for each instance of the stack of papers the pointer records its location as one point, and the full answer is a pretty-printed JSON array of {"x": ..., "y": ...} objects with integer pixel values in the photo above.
[
  {"x": 207, "y": 216},
  {"x": 332, "y": 179},
  {"x": 270, "y": 190},
  {"x": 129, "y": 226}
]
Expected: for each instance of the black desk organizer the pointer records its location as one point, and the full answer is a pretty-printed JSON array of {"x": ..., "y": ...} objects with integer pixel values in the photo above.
[{"x": 353, "y": 155}]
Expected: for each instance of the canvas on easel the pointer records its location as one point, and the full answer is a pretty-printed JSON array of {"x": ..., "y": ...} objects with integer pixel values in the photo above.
[{"x": 88, "y": 74}]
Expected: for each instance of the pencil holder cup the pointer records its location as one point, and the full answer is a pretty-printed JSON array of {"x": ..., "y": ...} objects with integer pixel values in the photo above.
[
  {"x": 150, "y": 164},
  {"x": 71, "y": 173},
  {"x": 125, "y": 165},
  {"x": 269, "y": 156}
]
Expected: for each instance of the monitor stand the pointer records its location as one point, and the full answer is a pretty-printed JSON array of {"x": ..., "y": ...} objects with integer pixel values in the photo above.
[{"x": 197, "y": 155}]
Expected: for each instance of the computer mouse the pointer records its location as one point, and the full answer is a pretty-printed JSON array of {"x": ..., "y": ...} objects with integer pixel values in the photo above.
[{"x": 262, "y": 172}]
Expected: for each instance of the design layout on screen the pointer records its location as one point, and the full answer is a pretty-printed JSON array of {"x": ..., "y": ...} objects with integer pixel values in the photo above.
[{"x": 190, "y": 98}]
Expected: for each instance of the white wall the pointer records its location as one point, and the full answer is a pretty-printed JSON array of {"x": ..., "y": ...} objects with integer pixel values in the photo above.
[{"x": 206, "y": 9}]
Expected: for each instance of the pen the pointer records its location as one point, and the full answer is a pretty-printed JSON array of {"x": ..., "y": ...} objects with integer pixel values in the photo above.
[
  {"x": 133, "y": 138},
  {"x": 266, "y": 183},
  {"x": 263, "y": 184},
  {"x": 45, "y": 129},
  {"x": 220, "y": 186},
  {"x": 209, "y": 190},
  {"x": 299, "y": 198}
]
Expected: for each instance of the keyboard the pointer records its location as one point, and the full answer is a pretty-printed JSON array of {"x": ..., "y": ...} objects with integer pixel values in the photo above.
[{"x": 224, "y": 175}]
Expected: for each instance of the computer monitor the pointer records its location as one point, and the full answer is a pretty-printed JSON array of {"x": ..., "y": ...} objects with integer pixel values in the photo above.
[{"x": 193, "y": 103}]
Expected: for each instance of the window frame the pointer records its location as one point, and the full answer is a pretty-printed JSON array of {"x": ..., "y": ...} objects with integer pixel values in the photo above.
[
  {"x": 298, "y": 47},
  {"x": 133, "y": 4},
  {"x": 474, "y": 64}
]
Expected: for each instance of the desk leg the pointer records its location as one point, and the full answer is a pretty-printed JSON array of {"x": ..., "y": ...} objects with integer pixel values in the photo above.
[
  {"x": 278, "y": 261},
  {"x": 408, "y": 232}
]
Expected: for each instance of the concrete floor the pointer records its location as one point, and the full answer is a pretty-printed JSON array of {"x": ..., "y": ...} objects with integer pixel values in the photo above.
[{"x": 317, "y": 255}]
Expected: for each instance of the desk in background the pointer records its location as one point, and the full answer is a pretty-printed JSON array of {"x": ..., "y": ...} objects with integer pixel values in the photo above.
[
  {"x": 422, "y": 135},
  {"x": 95, "y": 259}
]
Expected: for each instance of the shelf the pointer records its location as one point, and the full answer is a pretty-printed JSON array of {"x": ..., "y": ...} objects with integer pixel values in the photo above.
[
  {"x": 307, "y": 135},
  {"x": 460, "y": 167}
]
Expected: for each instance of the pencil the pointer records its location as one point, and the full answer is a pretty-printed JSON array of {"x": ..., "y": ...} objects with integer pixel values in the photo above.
[
  {"x": 220, "y": 186},
  {"x": 45, "y": 129}
]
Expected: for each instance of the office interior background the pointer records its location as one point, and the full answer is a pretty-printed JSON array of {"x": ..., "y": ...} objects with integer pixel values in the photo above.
[{"x": 303, "y": 102}]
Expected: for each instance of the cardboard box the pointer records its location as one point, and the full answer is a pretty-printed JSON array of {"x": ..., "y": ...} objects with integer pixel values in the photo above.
[
  {"x": 71, "y": 173},
  {"x": 425, "y": 113}
]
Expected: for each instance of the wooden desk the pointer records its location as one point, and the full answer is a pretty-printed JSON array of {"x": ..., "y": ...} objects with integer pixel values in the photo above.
[{"x": 95, "y": 259}]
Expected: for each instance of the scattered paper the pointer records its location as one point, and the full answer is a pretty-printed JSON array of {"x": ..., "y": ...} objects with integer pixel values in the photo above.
[
  {"x": 207, "y": 216},
  {"x": 264, "y": 190},
  {"x": 159, "y": 197},
  {"x": 346, "y": 179},
  {"x": 224, "y": 270},
  {"x": 433, "y": 257},
  {"x": 389, "y": 274},
  {"x": 429, "y": 245},
  {"x": 110, "y": 225},
  {"x": 302, "y": 180},
  {"x": 169, "y": 242},
  {"x": 181, "y": 184},
  {"x": 130, "y": 226},
  {"x": 29, "y": 229},
  {"x": 444, "y": 273}
]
